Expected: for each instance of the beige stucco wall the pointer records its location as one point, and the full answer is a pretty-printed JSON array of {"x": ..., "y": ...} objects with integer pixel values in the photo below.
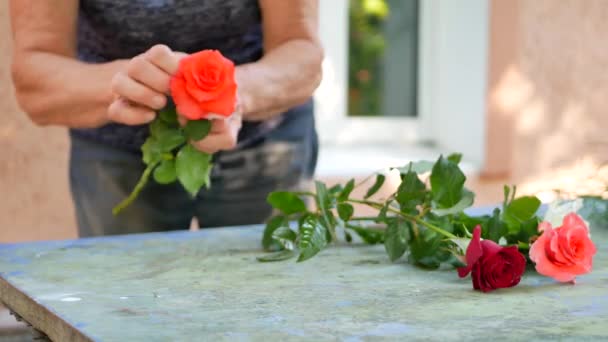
[
  {"x": 34, "y": 198},
  {"x": 548, "y": 96}
]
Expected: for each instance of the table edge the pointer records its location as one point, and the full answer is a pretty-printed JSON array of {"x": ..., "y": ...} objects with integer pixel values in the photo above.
[{"x": 57, "y": 330}]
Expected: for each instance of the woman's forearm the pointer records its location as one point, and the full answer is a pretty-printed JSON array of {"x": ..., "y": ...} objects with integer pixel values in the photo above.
[
  {"x": 58, "y": 90},
  {"x": 285, "y": 77}
]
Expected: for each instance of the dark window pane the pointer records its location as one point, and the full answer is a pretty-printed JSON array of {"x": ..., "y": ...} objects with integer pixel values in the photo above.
[{"x": 383, "y": 57}]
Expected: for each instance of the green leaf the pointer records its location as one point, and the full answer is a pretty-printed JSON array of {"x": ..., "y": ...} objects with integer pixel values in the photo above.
[
  {"x": 193, "y": 169},
  {"x": 447, "y": 183},
  {"x": 169, "y": 116},
  {"x": 157, "y": 127},
  {"x": 165, "y": 172},
  {"x": 455, "y": 158},
  {"x": 285, "y": 236},
  {"x": 520, "y": 210},
  {"x": 170, "y": 140},
  {"x": 419, "y": 167},
  {"x": 506, "y": 190},
  {"x": 425, "y": 249},
  {"x": 197, "y": 129},
  {"x": 494, "y": 228},
  {"x": 466, "y": 201},
  {"x": 345, "y": 211},
  {"x": 429, "y": 249},
  {"x": 369, "y": 236},
  {"x": 380, "y": 178},
  {"x": 268, "y": 241},
  {"x": 152, "y": 153},
  {"x": 278, "y": 256},
  {"x": 529, "y": 228},
  {"x": 167, "y": 138},
  {"x": 411, "y": 192},
  {"x": 335, "y": 190},
  {"x": 324, "y": 205},
  {"x": 382, "y": 213},
  {"x": 396, "y": 239},
  {"x": 312, "y": 238},
  {"x": 287, "y": 202},
  {"x": 348, "y": 188}
]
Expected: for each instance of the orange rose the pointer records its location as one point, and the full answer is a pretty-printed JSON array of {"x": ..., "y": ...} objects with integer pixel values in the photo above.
[
  {"x": 204, "y": 86},
  {"x": 564, "y": 252}
]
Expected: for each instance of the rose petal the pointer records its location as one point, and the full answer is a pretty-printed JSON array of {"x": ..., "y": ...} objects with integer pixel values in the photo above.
[
  {"x": 474, "y": 252},
  {"x": 224, "y": 105},
  {"x": 186, "y": 106}
]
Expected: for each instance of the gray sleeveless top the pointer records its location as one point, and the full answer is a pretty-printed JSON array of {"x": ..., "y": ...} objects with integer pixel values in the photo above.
[{"x": 121, "y": 29}]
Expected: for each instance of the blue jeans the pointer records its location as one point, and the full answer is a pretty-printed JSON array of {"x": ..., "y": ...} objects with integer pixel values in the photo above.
[{"x": 101, "y": 176}]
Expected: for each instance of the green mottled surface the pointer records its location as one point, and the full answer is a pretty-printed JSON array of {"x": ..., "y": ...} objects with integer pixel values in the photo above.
[{"x": 208, "y": 286}]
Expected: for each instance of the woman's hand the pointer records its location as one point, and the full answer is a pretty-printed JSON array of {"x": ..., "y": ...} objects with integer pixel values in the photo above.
[
  {"x": 223, "y": 135},
  {"x": 141, "y": 88}
]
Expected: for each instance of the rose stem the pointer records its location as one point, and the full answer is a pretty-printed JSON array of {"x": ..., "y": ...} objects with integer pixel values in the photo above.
[{"x": 138, "y": 188}]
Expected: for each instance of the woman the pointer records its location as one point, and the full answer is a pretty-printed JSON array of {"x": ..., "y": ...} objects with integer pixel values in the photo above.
[{"x": 102, "y": 68}]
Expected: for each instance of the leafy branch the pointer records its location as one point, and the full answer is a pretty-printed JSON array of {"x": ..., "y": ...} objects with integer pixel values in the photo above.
[
  {"x": 425, "y": 221},
  {"x": 169, "y": 157}
]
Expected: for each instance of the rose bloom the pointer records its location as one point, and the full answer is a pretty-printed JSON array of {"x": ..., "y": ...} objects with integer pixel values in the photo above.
[
  {"x": 564, "y": 252},
  {"x": 204, "y": 86},
  {"x": 492, "y": 266}
]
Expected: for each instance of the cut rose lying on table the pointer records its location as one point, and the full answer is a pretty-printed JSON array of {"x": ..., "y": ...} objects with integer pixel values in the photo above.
[{"x": 425, "y": 219}]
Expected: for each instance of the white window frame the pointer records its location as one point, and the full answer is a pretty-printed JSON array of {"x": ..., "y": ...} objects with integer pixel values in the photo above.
[{"x": 451, "y": 88}]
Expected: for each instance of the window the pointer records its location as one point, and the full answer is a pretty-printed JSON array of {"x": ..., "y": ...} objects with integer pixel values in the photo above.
[
  {"x": 383, "y": 58},
  {"x": 403, "y": 74}
]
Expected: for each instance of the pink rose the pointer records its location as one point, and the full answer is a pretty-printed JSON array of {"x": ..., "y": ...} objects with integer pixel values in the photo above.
[{"x": 564, "y": 252}]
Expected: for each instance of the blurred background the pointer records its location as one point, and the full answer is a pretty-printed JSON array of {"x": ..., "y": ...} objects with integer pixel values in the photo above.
[{"x": 519, "y": 86}]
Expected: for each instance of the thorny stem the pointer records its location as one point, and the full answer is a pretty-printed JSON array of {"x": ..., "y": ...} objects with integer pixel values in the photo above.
[
  {"x": 416, "y": 219},
  {"x": 138, "y": 188}
]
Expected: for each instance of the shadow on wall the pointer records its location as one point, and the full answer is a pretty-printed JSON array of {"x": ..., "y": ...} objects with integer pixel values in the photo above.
[{"x": 547, "y": 99}]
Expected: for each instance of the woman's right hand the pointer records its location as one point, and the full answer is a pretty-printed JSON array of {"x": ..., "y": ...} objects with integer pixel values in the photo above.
[{"x": 141, "y": 88}]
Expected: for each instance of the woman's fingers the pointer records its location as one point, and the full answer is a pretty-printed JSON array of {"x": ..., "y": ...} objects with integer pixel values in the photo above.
[
  {"x": 146, "y": 73},
  {"x": 126, "y": 87},
  {"x": 222, "y": 136},
  {"x": 165, "y": 59},
  {"x": 125, "y": 112}
]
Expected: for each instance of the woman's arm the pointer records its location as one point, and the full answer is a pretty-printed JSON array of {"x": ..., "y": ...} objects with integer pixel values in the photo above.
[
  {"x": 51, "y": 85},
  {"x": 290, "y": 70},
  {"x": 54, "y": 88}
]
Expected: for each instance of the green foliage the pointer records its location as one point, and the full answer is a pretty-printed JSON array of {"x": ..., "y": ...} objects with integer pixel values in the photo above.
[
  {"x": 411, "y": 193},
  {"x": 345, "y": 211},
  {"x": 268, "y": 241},
  {"x": 197, "y": 129},
  {"x": 287, "y": 202},
  {"x": 312, "y": 237},
  {"x": 168, "y": 157},
  {"x": 380, "y": 178},
  {"x": 425, "y": 221},
  {"x": 193, "y": 169},
  {"x": 165, "y": 172},
  {"x": 447, "y": 183},
  {"x": 396, "y": 238}
]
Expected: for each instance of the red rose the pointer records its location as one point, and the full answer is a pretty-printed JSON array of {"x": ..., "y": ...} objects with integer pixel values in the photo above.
[
  {"x": 204, "y": 86},
  {"x": 492, "y": 266}
]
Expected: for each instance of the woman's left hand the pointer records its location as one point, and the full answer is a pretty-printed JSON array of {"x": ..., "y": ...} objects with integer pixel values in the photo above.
[{"x": 223, "y": 135}]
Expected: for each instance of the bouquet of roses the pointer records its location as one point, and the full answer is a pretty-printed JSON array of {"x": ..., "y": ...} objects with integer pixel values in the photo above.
[
  {"x": 204, "y": 88},
  {"x": 425, "y": 219}
]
